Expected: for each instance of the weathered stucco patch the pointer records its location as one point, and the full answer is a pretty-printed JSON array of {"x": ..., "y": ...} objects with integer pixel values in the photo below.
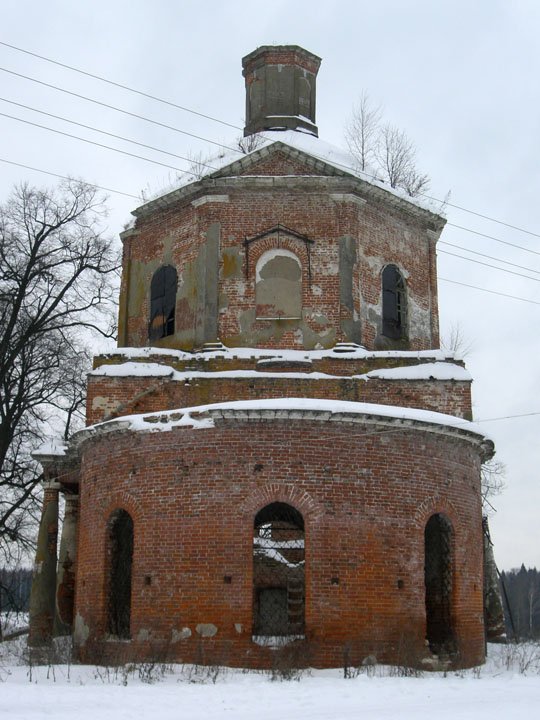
[
  {"x": 232, "y": 260},
  {"x": 81, "y": 631},
  {"x": 103, "y": 403},
  {"x": 183, "y": 634},
  {"x": 206, "y": 629}
]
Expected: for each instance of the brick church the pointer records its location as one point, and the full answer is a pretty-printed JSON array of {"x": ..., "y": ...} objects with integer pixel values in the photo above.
[{"x": 277, "y": 455}]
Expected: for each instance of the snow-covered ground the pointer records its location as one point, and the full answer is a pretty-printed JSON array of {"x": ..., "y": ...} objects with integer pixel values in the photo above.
[{"x": 508, "y": 686}]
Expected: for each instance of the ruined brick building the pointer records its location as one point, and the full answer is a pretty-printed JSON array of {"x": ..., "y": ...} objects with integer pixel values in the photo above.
[{"x": 277, "y": 454}]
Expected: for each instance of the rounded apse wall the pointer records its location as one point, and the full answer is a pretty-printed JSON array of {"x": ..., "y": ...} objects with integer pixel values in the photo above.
[{"x": 215, "y": 510}]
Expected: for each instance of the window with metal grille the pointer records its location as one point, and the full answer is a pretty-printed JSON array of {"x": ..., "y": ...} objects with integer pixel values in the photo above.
[
  {"x": 278, "y": 571},
  {"x": 120, "y": 562},
  {"x": 163, "y": 302},
  {"x": 438, "y": 584},
  {"x": 393, "y": 303}
]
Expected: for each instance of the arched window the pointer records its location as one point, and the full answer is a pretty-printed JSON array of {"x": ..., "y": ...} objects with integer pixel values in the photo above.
[
  {"x": 438, "y": 583},
  {"x": 162, "y": 302},
  {"x": 393, "y": 303},
  {"x": 120, "y": 562},
  {"x": 278, "y": 285},
  {"x": 278, "y": 571}
]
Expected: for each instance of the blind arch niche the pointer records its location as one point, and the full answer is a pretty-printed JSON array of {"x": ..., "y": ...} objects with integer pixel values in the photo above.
[{"x": 278, "y": 285}]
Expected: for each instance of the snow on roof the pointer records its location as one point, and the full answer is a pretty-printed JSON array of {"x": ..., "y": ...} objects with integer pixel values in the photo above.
[
  {"x": 200, "y": 416},
  {"x": 424, "y": 371},
  {"x": 340, "y": 159}
]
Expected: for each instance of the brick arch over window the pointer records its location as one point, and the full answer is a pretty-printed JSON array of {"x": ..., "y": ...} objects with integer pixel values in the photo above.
[
  {"x": 311, "y": 509},
  {"x": 163, "y": 302},
  {"x": 394, "y": 303},
  {"x": 120, "y": 540},
  {"x": 278, "y": 285},
  {"x": 436, "y": 504},
  {"x": 278, "y": 571}
]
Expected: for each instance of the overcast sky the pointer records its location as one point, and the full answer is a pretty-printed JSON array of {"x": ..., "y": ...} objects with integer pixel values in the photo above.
[{"x": 460, "y": 78}]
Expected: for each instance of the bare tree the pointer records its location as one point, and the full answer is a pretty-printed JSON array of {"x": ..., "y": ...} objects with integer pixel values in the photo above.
[
  {"x": 455, "y": 341},
  {"x": 396, "y": 158},
  {"x": 57, "y": 283},
  {"x": 492, "y": 483},
  {"x": 383, "y": 149},
  {"x": 249, "y": 143},
  {"x": 362, "y": 131},
  {"x": 198, "y": 166}
]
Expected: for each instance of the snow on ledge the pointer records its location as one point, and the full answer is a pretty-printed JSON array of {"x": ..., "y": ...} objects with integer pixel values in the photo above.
[
  {"x": 339, "y": 352},
  {"x": 201, "y": 417},
  {"x": 52, "y": 448},
  {"x": 424, "y": 371}
]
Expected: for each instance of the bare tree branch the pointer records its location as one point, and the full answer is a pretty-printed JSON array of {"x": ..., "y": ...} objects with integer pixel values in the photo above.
[
  {"x": 383, "y": 149},
  {"x": 362, "y": 131},
  {"x": 493, "y": 482},
  {"x": 57, "y": 280},
  {"x": 250, "y": 143}
]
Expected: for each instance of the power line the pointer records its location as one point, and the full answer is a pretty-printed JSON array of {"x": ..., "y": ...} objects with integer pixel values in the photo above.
[
  {"x": 490, "y": 237},
  {"x": 479, "y": 262},
  {"x": 119, "y": 85},
  {"x": 108, "y": 147},
  {"x": 484, "y": 217},
  {"x": 492, "y": 292},
  {"x": 117, "y": 109},
  {"x": 509, "y": 417},
  {"x": 490, "y": 257},
  {"x": 198, "y": 137},
  {"x": 209, "y": 117},
  {"x": 475, "y": 287},
  {"x": 104, "y": 132},
  {"x": 93, "y": 142},
  {"x": 66, "y": 177},
  {"x": 187, "y": 159}
]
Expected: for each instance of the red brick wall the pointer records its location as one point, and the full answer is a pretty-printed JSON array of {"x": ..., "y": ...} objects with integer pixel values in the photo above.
[
  {"x": 365, "y": 497},
  {"x": 383, "y": 234},
  {"x": 109, "y": 397}
]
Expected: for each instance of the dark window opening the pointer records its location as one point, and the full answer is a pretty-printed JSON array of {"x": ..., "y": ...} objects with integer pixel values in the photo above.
[
  {"x": 278, "y": 571},
  {"x": 163, "y": 302},
  {"x": 438, "y": 584},
  {"x": 393, "y": 303},
  {"x": 120, "y": 563}
]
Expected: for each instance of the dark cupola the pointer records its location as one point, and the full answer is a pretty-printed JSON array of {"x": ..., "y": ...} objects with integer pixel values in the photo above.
[{"x": 280, "y": 89}]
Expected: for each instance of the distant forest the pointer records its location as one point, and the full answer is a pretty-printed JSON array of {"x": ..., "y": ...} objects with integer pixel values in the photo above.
[
  {"x": 521, "y": 598},
  {"x": 522, "y": 602},
  {"x": 15, "y": 589}
]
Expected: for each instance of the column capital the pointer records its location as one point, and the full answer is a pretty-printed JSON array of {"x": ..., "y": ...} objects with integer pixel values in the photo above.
[{"x": 51, "y": 485}]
